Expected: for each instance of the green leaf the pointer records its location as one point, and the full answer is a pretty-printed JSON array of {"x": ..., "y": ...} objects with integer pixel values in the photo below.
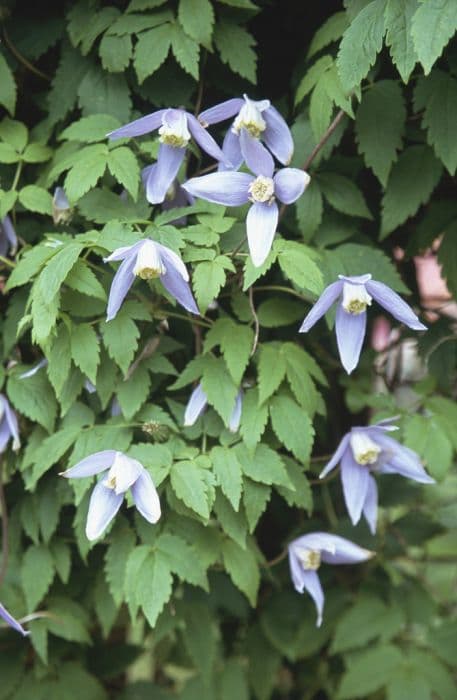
[
  {"x": 235, "y": 45},
  {"x": 242, "y": 568},
  {"x": 44, "y": 312},
  {"x": 352, "y": 259},
  {"x": 7, "y": 87},
  {"x": 330, "y": 31},
  {"x": 8, "y": 154},
  {"x": 264, "y": 465},
  {"x": 232, "y": 523},
  {"x": 428, "y": 438},
  {"x": 227, "y": 470},
  {"x": 433, "y": 24},
  {"x": 90, "y": 129},
  {"x": 57, "y": 268},
  {"x": 312, "y": 77},
  {"x": 153, "y": 586},
  {"x": 104, "y": 93},
  {"x": 36, "y": 199},
  {"x": 122, "y": 542},
  {"x": 399, "y": 15},
  {"x": 208, "y": 279},
  {"x": 85, "y": 350},
  {"x": 219, "y": 387},
  {"x": 405, "y": 192},
  {"x": 299, "y": 495},
  {"x": 379, "y": 126},
  {"x": 14, "y": 133},
  {"x": 320, "y": 110},
  {"x": 296, "y": 261},
  {"x": 185, "y": 50},
  {"x": 343, "y": 195},
  {"x": 200, "y": 637},
  {"x": 182, "y": 559},
  {"x": 253, "y": 419},
  {"x": 309, "y": 210},
  {"x": 361, "y": 43},
  {"x": 115, "y": 52},
  {"x": 255, "y": 499},
  {"x": 37, "y": 574},
  {"x": 277, "y": 311},
  {"x": 235, "y": 341},
  {"x": 189, "y": 484},
  {"x": 34, "y": 398},
  {"x": 59, "y": 358},
  {"x": 271, "y": 370},
  {"x": 133, "y": 392},
  {"x": 123, "y": 165},
  {"x": 37, "y": 153},
  {"x": 87, "y": 170},
  {"x": 407, "y": 682},
  {"x": 83, "y": 280},
  {"x": 437, "y": 96},
  {"x": 49, "y": 452},
  {"x": 120, "y": 337},
  {"x": 359, "y": 680},
  {"x": 292, "y": 426},
  {"x": 151, "y": 51},
  {"x": 197, "y": 19},
  {"x": 367, "y": 619},
  {"x": 68, "y": 76}
]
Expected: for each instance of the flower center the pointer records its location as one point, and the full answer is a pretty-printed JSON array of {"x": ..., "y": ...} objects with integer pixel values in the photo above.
[
  {"x": 122, "y": 473},
  {"x": 250, "y": 118},
  {"x": 174, "y": 132},
  {"x": 364, "y": 449},
  {"x": 149, "y": 264},
  {"x": 355, "y": 298},
  {"x": 310, "y": 559},
  {"x": 262, "y": 189}
]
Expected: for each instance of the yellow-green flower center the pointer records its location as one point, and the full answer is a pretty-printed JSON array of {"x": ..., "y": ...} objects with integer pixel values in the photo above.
[
  {"x": 365, "y": 450},
  {"x": 310, "y": 559},
  {"x": 148, "y": 264},
  {"x": 355, "y": 298},
  {"x": 262, "y": 189}
]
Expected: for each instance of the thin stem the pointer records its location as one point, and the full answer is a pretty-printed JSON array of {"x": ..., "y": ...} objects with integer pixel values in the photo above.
[
  {"x": 5, "y": 547},
  {"x": 10, "y": 263},
  {"x": 197, "y": 322},
  {"x": 277, "y": 559},
  {"x": 17, "y": 175},
  {"x": 279, "y": 288},
  {"x": 256, "y": 321},
  {"x": 23, "y": 60}
]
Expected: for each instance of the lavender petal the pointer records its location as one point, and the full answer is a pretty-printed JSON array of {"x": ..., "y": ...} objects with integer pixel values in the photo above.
[
  {"x": 311, "y": 582},
  {"x": 401, "y": 460},
  {"x": 345, "y": 552},
  {"x": 179, "y": 288},
  {"x": 370, "y": 507},
  {"x": 146, "y": 497},
  {"x": 10, "y": 233},
  {"x": 222, "y": 111},
  {"x": 122, "y": 281},
  {"x": 261, "y": 224},
  {"x": 350, "y": 332},
  {"x": 172, "y": 259},
  {"x": 340, "y": 450},
  {"x": 354, "y": 478},
  {"x": 91, "y": 465},
  {"x": 103, "y": 505},
  {"x": 394, "y": 304},
  {"x": 277, "y": 136},
  {"x": 139, "y": 126},
  {"x": 235, "y": 417},
  {"x": 161, "y": 177},
  {"x": 195, "y": 406},
  {"x": 232, "y": 151},
  {"x": 290, "y": 183},
  {"x": 228, "y": 188},
  {"x": 11, "y": 420},
  {"x": 12, "y": 622},
  {"x": 322, "y": 305},
  {"x": 205, "y": 140},
  {"x": 256, "y": 155}
]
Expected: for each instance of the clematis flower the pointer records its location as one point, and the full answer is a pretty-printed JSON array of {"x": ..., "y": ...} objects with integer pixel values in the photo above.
[
  {"x": 8, "y": 425},
  {"x": 175, "y": 196},
  {"x": 8, "y": 238},
  {"x": 36, "y": 368},
  {"x": 308, "y": 552},
  {"x": 198, "y": 402},
  {"x": 149, "y": 260},
  {"x": 363, "y": 452},
  {"x": 259, "y": 121},
  {"x": 123, "y": 474},
  {"x": 11, "y": 621},
  {"x": 351, "y": 319},
  {"x": 262, "y": 189},
  {"x": 61, "y": 209},
  {"x": 176, "y": 127}
]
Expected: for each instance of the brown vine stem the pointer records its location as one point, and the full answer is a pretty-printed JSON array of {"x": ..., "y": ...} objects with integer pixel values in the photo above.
[
  {"x": 5, "y": 550},
  {"x": 23, "y": 60},
  {"x": 256, "y": 321},
  {"x": 277, "y": 559},
  {"x": 317, "y": 148}
]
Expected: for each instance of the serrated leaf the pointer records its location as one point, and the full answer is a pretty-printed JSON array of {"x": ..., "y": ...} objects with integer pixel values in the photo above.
[
  {"x": 207, "y": 281},
  {"x": 154, "y": 586},
  {"x": 59, "y": 358},
  {"x": 104, "y": 93},
  {"x": 255, "y": 499},
  {"x": 330, "y": 31},
  {"x": 405, "y": 192},
  {"x": 90, "y": 129},
  {"x": 37, "y": 574},
  {"x": 34, "y": 398},
  {"x": 399, "y": 15},
  {"x": 293, "y": 426},
  {"x": 182, "y": 559},
  {"x": 133, "y": 392},
  {"x": 242, "y": 568},
  {"x": 121, "y": 545},
  {"x": 433, "y": 25},
  {"x": 264, "y": 465},
  {"x": 219, "y": 387},
  {"x": 312, "y": 77},
  {"x": 189, "y": 484},
  {"x": 14, "y": 133},
  {"x": 120, "y": 337},
  {"x": 36, "y": 199},
  {"x": 87, "y": 170},
  {"x": 124, "y": 167},
  {"x": 228, "y": 473},
  {"x": 271, "y": 370},
  {"x": 83, "y": 280},
  {"x": 151, "y": 51},
  {"x": 437, "y": 96},
  {"x": 379, "y": 126},
  {"x": 344, "y": 195},
  {"x": 235, "y": 45},
  {"x": 185, "y": 50},
  {"x": 57, "y": 268},
  {"x": 115, "y": 52},
  {"x": 309, "y": 210},
  {"x": 7, "y": 87},
  {"x": 253, "y": 419},
  {"x": 361, "y": 43},
  {"x": 85, "y": 350},
  {"x": 296, "y": 261},
  {"x": 197, "y": 19},
  {"x": 235, "y": 341},
  {"x": 359, "y": 680}
]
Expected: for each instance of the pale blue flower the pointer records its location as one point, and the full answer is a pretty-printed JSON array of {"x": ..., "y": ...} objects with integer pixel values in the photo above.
[
  {"x": 12, "y": 622},
  {"x": 197, "y": 404},
  {"x": 8, "y": 238},
  {"x": 363, "y": 452},
  {"x": 351, "y": 319},
  {"x": 308, "y": 552},
  {"x": 8, "y": 425},
  {"x": 124, "y": 473}
]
